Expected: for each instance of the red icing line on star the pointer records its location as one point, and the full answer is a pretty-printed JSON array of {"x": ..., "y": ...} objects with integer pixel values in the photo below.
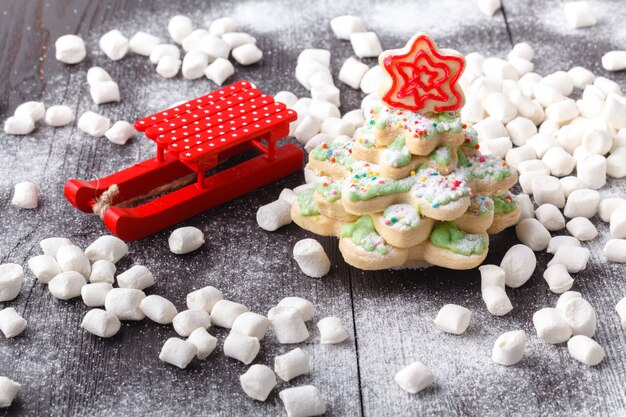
[{"x": 412, "y": 84}]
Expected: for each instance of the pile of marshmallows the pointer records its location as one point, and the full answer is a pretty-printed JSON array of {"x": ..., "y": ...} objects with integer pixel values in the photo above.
[{"x": 67, "y": 269}]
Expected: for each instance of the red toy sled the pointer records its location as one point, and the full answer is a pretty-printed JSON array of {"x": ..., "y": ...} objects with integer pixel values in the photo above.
[{"x": 192, "y": 138}]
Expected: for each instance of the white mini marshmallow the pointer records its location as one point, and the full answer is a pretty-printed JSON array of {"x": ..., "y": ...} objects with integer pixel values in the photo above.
[
  {"x": 93, "y": 124},
  {"x": 168, "y": 66},
  {"x": 520, "y": 130},
  {"x": 533, "y": 234},
  {"x": 334, "y": 127},
  {"x": 473, "y": 111},
  {"x": 72, "y": 258},
  {"x": 274, "y": 215},
  {"x": 326, "y": 92},
  {"x": 286, "y": 97},
  {"x": 241, "y": 347},
  {"x": 616, "y": 163},
  {"x": 496, "y": 300},
  {"x": 500, "y": 69},
  {"x": 620, "y": 307},
  {"x": 344, "y": 26},
  {"x": 44, "y": 267},
  {"x": 509, "y": 348},
  {"x": 219, "y": 70},
  {"x": 579, "y": 14},
  {"x": 137, "y": 277},
  {"x": 580, "y": 316},
  {"x": 187, "y": 321},
  {"x": 547, "y": 94},
  {"x": 331, "y": 330},
  {"x": 120, "y": 132},
  {"x": 522, "y": 66},
  {"x": 224, "y": 313},
  {"x": 563, "y": 111},
  {"x": 251, "y": 324},
  {"x": 311, "y": 258},
  {"x": 497, "y": 146},
  {"x": 51, "y": 245},
  {"x": 581, "y": 77},
  {"x": 114, "y": 45},
  {"x": 125, "y": 303},
  {"x": 70, "y": 49},
  {"x": 491, "y": 275},
  {"x": 573, "y": 257},
  {"x": 321, "y": 56},
  {"x": 222, "y": 25},
  {"x": 557, "y": 241},
  {"x": 550, "y": 216},
  {"x": 8, "y": 391},
  {"x": 517, "y": 155},
  {"x": 617, "y": 225},
  {"x": 67, "y": 285},
  {"x": 352, "y": 72},
  {"x": 158, "y": 309},
  {"x": 519, "y": 263},
  {"x": 101, "y": 323},
  {"x": 258, "y": 382},
  {"x": 415, "y": 377},
  {"x": 614, "y": 60},
  {"x": 582, "y": 203},
  {"x": 483, "y": 87},
  {"x": 193, "y": 41},
  {"x": 179, "y": 27},
  {"x": 214, "y": 47},
  {"x": 585, "y": 350},
  {"x": 453, "y": 319},
  {"x": 60, "y": 115},
  {"x": 526, "y": 206},
  {"x": 527, "y": 83},
  {"x": 547, "y": 189},
  {"x": 247, "y": 54},
  {"x": 288, "y": 196},
  {"x": 178, "y": 352},
  {"x": 373, "y": 79},
  {"x": 551, "y": 326},
  {"x": 582, "y": 229},
  {"x": 558, "y": 279},
  {"x": 571, "y": 184},
  {"x": 365, "y": 44},
  {"x": 204, "y": 298},
  {"x": 499, "y": 106},
  {"x": 559, "y": 161},
  {"x": 235, "y": 39},
  {"x": 102, "y": 271},
  {"x": 288, "y": 325},
  {"x": 592, "y": 171},
  {"x": 307, "y": 70},
  {"x": 11, "y": 323},
  {"x": 608, "y": 205},
  {"x": 25, "y": 195},
  {"x": 304, "y": 307},
  {"x": 108, "y": 248},
  {"x": 526, "y": 180},
  {"x": 94, "y": 294},
  {"x": 322, "y": 110},
  {"x": 185, "y": 239},
  {"x": 204, "y": 342},
  {"x": 565, "y": 297},
  {"x": 313, "y": 143},
  {"x": 292, "y": 364},
  {"x": 303, "y": 401},
  {"x": 194, "y": 64},
  {"x": 308, "y": 127},
  {"x": 19, "y": 125},
  {"x": 143, "y": 43},
  {"x": 569, "y": 137},
  {"x": 596, "y": 138},
  {"x": 615, "y": 250},
  {"x": 36, "y": 110},
  {"x": 607, "y": 86}
]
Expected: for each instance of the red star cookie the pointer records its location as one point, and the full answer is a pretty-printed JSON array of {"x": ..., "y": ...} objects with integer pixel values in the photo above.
[{"x": 422, "y": 78}]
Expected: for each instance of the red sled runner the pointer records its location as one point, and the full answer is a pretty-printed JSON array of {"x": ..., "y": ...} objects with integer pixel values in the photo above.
[{"x": 192, "y": 138}]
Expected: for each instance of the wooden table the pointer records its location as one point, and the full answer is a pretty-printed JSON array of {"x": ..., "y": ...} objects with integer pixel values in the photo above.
[{"x": 66, "y": 371}]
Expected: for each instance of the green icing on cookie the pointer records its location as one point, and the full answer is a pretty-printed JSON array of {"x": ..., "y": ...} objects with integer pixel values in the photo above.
[
  {"x": 442, "y": 155},
  {"x": 481, "y": 206},
  {"x": 363, "y": 234},
  {"x": 486, "y": 166},
  {"x": 335, "y": 152},
  {"x": 504, "y": 203},
  {"x": 367, "y": 185},
  {"x": 306, "y": 203},
  {"x": 397, "y": 154},
  {"x": 446, "y": 235},
  {"x": 462, "y": 158},
  {"x": 471, "y": 138},
  {"x": 402, "y": 217},
  {"x": 330, "y": 191}
]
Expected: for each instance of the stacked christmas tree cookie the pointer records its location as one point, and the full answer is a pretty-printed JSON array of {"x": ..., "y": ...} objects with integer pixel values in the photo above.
[{"x": 411, "y": 187}]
